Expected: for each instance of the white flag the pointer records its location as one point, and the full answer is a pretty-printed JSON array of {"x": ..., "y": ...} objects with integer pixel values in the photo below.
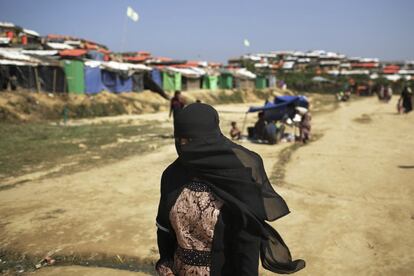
[
  {"x": 246, "y": 43},
  {"x": 132, "y": 14}
]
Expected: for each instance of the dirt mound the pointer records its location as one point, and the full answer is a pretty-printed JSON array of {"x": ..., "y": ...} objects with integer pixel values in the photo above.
[{"x": 24, "y": 106}]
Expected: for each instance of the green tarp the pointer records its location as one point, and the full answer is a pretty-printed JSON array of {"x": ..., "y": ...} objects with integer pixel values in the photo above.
[
  {"x": 171, "y": 81},
  {"x": 261, "y": 82},
  {"x": 75, "y": 76},
  {"x": 226, "y": 81},
  {"x": 210, "y": 82}
]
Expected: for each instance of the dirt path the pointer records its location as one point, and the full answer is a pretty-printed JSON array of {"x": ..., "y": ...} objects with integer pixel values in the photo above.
[
  {"x": 352, "y": 210},
  {"x": 352, "y": 193}
]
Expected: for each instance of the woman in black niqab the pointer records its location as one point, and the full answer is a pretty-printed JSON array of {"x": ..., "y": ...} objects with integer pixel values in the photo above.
[{"x": 233, "y": 174}]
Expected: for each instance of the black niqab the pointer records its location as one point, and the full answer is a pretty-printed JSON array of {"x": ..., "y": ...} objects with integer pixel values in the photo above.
[{"x": 237, "y": 176}]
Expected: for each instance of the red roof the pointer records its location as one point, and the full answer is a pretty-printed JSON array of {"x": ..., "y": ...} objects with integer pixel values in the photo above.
[
  {"x": 365, "y": 65},
  {"x": 391, "y": 69},
  {"x": 73, "y": 53},
  {"x": 136, "y": 58}
]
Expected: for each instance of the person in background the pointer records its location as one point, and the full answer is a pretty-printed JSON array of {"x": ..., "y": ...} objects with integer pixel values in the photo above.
[
  {"x": 388, "y": 93},
  {"x": 215, "y": 202},
  {"x": 235, "y": 132},
  {"x": 259, "y": 126},
  {"x": 177, "y": 104},
  {"x": 406, "y": 98},
  {"x": 305, "y": 127}
]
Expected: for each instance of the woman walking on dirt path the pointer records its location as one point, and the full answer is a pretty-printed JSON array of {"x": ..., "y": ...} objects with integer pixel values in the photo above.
[{"x": 215, "y": 199}]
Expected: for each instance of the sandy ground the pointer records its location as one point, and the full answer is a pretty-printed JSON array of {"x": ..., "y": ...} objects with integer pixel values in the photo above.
[{"x": 350, "y": 193}]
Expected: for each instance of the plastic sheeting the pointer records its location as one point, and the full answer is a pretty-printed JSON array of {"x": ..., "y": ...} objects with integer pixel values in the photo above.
[
  {"x": 226, "y": 81},
  {"x": 156, "y": 77},
  {"x": 210, "y": 82},
  {"x": 116, "y": 83},
  {"x": 74, "y": 71},
  {"x": 281, "y": 107},
  {"x": 171, "y": 81},
  {"x": 93, "y": 80},
  {"x": 261, "y": 82}
]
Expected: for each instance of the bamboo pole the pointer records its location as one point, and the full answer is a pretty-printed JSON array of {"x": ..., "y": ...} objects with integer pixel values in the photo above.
[
  {"x": 54, "y": 80},
  {"x": 37, "y": 80}
]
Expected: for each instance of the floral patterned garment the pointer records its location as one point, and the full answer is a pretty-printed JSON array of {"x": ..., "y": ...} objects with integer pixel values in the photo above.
[{"x": 193, "y": 217}]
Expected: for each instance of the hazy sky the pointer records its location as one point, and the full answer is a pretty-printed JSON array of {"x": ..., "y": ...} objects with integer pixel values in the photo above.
[{"x": 215, "y": 30}]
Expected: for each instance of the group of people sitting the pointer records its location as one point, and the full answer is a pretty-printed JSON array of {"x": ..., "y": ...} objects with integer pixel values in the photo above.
[{"x": 272, "y": 132}]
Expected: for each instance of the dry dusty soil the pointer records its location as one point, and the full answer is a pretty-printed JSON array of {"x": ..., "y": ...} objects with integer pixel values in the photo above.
[{"x": 350, "y": 192}]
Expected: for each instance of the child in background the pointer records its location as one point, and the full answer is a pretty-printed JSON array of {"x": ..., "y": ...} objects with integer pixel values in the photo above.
[{"x": 235, "y": 132}]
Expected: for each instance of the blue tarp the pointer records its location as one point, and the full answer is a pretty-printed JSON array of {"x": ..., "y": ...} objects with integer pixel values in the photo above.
[
  {"x": 115, "y": 83},
  {"x": 95, "y": 55},
  {"x": 281, "y": 107},
  {"x": 156, "y": 77},
  {"x": 93, "y": 80}
]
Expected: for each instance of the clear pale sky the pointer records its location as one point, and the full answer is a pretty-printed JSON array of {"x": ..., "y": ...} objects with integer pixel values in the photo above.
[{"x": 214, "y": 30}]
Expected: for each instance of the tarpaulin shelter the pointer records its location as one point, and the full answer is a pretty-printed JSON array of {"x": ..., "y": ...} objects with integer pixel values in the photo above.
[
  {"x": 244, "y": 79},
  {"x": 156, "y": 77},
  {"x": 113, "y": 76},
  {"x": 116, "y": 83},
  {"x": 171, "y": 81},
  {"x": 93, "y": 78},
  {"x": 281, "y": 107},
  {"x": 190, "y": 77},
  {"x": 261, "y": 82},
  {"x": 225, "y": 80},
  {"x": 75, "y": 76},
  {"x": 210, "y": 82}
]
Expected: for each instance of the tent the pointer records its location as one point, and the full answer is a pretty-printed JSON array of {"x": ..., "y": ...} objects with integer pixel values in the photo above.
[
  {"x": 282, "y": 106},
  {"x": 75, "y": 77},
  {"x": 210, "y": 82},
  {"x": 171, "y": 81},
  {"x": 261, "y": 82}
]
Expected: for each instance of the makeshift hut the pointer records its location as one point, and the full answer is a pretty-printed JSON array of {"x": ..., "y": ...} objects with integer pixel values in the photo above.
[
  {"x": 75, "y": 76},
  {"x": 18, "y": 70},
  {"x": 261, "y": 82},
  {"x": 93, "y": 77},
  {"x": 171, "y": 81},
  {"x": 225, "y": 80},
  {"x": 190, "y": 77},
  {"x": 244, "y": 79},
  {"x": 113, "y": 76},
  {"x": 210, "y": 82}
]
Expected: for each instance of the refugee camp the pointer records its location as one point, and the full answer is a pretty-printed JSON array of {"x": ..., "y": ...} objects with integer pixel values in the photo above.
[{"x": 206, "y": 138}]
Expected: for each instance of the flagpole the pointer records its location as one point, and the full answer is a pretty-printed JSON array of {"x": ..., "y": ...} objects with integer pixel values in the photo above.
[{"x": 123, "y": 42}]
